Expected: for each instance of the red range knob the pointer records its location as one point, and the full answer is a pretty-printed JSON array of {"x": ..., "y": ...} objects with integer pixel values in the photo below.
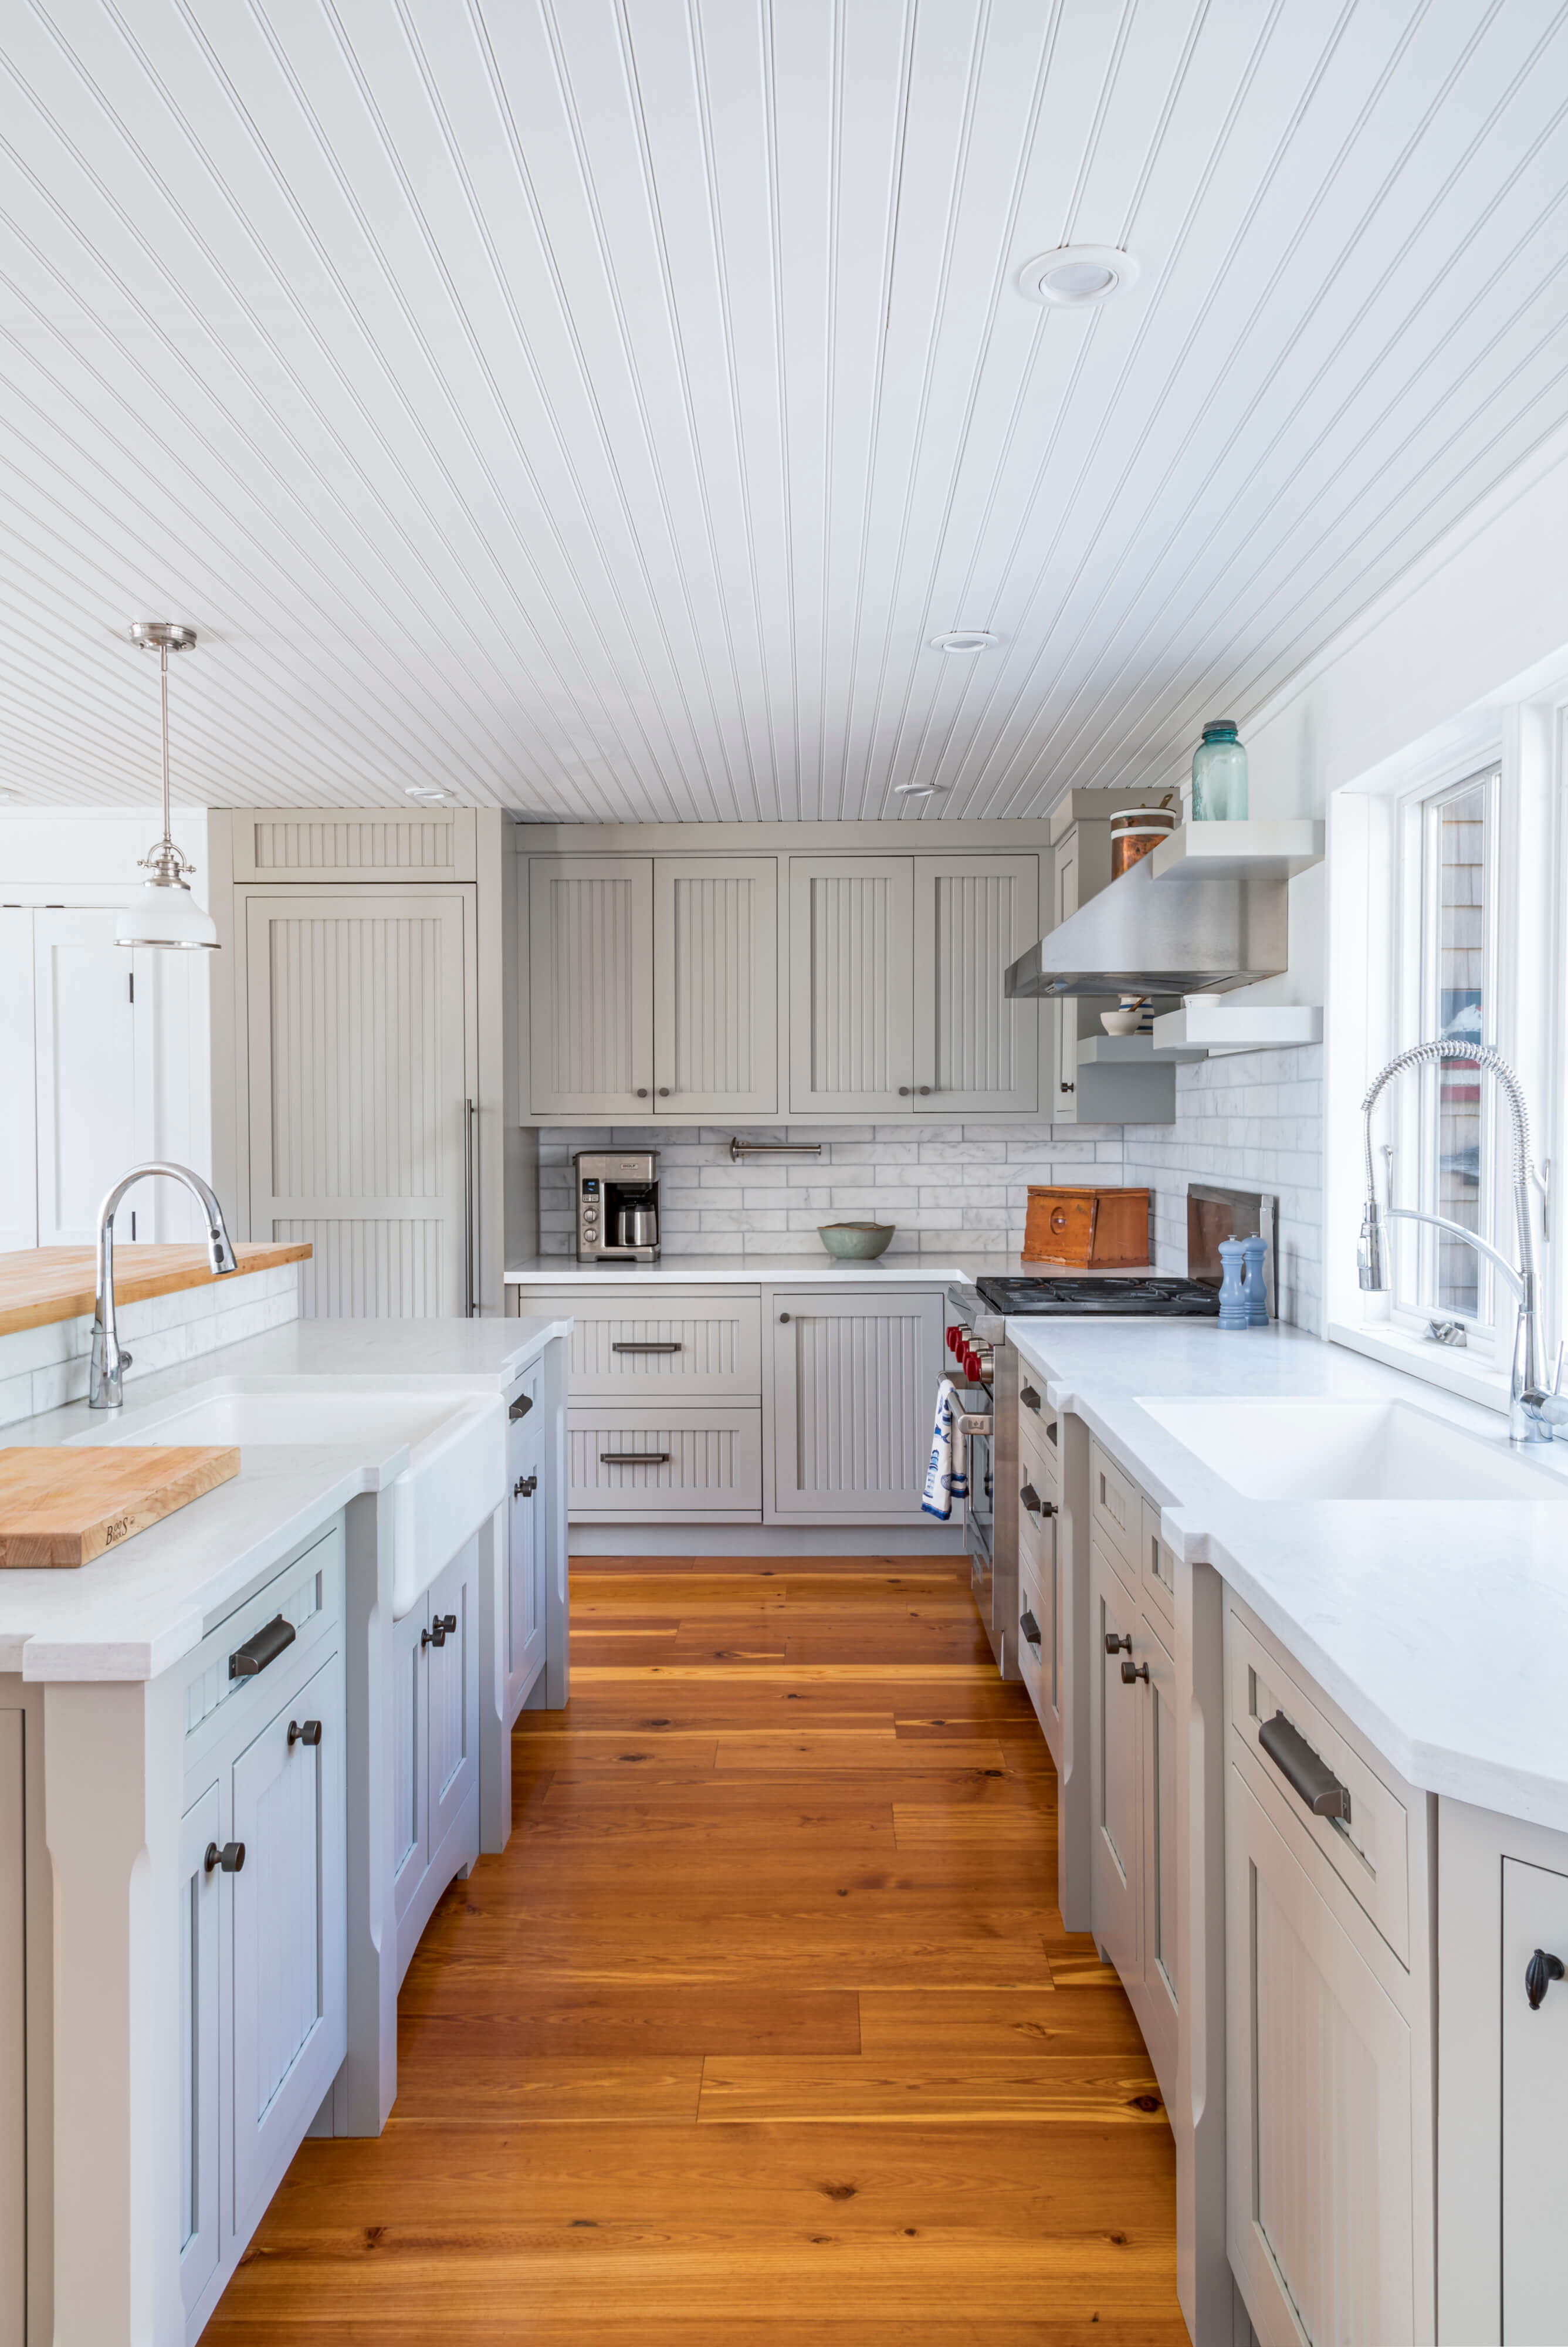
[
  {"x": 954, "y": 1333},
  {"x": 971, "y": 1362}
]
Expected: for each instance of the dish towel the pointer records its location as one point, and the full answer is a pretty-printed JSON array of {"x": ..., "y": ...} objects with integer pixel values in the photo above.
[{"x": 942, "y": 1485}]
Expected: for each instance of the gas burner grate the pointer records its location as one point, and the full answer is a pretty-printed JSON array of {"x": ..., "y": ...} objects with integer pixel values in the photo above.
[{"x": 1173, "y": 1299}]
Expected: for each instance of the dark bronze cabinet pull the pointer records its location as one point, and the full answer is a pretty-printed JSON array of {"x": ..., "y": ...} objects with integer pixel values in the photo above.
[
  {"x": 1030, "y": 1626},
  {"x": 1028, "y": 1397},
  {"x": 231, "y": 1858},
  {"x": 247, "y": 1662},
  {"x": 304, "y": 1731},
  {"x": 1132, "y": 1672},
  {"x": 649, "y": 1345},
  {"x": 1114, "y": 1644},
  {"x": 1031, "y": 1497},
  {"x": 449, "y": 1623},
  {"x": 521, "y": 1407},
  {"x": 525, "y": 1487},
  {"x": 435, "y": 1636},
  {"x": 1310, "y": 1777},
  {"x": 1538, "y": 1974},
  {"x": 634, "y": 1458}
]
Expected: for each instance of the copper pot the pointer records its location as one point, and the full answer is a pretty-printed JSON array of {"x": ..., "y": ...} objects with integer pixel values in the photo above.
[{"x": 1135, "y": 832}]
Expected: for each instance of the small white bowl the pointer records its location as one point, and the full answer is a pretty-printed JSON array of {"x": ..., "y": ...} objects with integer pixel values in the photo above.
[{"x": 1121, "y": 1022}]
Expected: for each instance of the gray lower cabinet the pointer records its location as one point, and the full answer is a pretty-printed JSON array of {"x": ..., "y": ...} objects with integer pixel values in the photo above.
[
  {"x": 13, "y": 2035},
  {"x": 525, "y": 1633},
  {"x": 435, "y": 1745},
  {"x": 263, "y": 1908},
  {"x": 853, "y": 1377}
]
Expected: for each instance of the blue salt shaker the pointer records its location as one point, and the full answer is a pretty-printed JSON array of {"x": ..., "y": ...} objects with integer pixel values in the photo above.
[
  {"x": 1233, "y": 1312},
  {"x": 1255, "y": 1249}
]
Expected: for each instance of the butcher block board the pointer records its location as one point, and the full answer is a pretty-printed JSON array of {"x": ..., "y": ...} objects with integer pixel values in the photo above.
[{"x": 65, "y": 1507}]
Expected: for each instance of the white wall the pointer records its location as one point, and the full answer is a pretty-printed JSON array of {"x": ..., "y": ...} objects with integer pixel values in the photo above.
[{"x": 1467, "y": 628}]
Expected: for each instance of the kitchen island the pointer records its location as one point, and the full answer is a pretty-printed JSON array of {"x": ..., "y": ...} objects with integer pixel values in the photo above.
[
  {"x": 1309, "y": 1620},
  {"x": 241, "y": 1756}
]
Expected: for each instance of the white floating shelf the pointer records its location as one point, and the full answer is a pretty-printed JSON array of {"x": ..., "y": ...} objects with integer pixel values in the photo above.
[
  {"x": 1261, "y": 851},
  {"x": 1130, "y": 1052},
  {"x": 1208, "y": 1026}
]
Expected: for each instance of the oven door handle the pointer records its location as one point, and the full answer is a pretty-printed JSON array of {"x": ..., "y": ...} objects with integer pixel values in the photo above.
[{"x": 964, "y": 1423}]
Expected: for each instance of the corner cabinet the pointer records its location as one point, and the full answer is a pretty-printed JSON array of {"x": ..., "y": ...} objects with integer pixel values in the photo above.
[{"x": 681, "y": 987}]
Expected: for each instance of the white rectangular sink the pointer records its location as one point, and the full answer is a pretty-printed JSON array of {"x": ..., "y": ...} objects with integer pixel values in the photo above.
[
  {"x": 457, "y": 1469},
  {"x": 1319, "y": 1449}
]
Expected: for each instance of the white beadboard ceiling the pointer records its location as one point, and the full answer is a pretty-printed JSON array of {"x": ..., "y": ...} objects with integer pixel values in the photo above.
[{"x": 595, "y": 407}]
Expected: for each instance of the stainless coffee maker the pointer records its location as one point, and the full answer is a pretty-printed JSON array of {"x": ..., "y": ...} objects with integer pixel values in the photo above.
[{"x": 617, "y": 1206}]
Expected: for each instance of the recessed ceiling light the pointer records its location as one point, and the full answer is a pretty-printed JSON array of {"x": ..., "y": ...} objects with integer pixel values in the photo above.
[
  {"x": 918, "y": 790},
  {"x": 1077, "y": 276},
  {"x": 423, "y": 791},
  {"x": 964, "y": 640}
]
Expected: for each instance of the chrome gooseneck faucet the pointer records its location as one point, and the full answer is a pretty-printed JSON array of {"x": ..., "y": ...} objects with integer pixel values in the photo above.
[
  {"x": 1534, "y": 1412},
  {"x": 105, "y": 1375}
]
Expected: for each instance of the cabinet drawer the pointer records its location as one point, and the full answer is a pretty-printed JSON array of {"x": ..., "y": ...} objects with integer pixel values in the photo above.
[
  {"x": 1041, "y": 1458},
  {"x": 632, "y": 1342},
  {"x": 1115, "y": 1507},
  {"x": 1368, "y": 1850},
  {"x": 1157, "y": 1567},
  {"x": 1032, "y": 1652},
  {"x": 647, "y": 1460},
  {"x": 309, "y": 1594}
]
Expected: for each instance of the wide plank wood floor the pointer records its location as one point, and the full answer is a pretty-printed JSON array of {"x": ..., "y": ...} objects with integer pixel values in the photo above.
[{"x": 765, "y": 2028}]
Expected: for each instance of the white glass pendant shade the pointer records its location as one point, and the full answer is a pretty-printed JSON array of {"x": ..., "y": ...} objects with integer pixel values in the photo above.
[{"x": 164, "y": 912}]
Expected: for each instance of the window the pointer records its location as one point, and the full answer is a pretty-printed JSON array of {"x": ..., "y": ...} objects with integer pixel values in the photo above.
[{"x": 1456, "y": 958}]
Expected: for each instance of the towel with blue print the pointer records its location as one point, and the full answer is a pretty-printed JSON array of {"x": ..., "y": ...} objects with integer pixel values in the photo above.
[{"x": 943, "y": 1485}]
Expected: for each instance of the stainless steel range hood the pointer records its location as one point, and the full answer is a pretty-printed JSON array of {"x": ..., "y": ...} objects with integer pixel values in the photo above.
[{"x": 1203, "y": 914}]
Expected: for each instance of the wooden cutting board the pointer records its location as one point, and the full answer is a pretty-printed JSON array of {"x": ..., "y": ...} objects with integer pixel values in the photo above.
[{"x": 65, "y": 1507}]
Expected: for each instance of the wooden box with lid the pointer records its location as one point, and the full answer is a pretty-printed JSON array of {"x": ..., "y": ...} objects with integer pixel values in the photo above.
[{"x": 1091, "y": 1230}]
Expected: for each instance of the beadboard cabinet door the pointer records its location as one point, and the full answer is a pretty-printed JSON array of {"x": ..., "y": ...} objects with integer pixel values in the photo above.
[
  {"x": 848, "y": 1412},
  {"x": 93, "y": 1050},
  {"x": 851, "y": 1006},
  {"x": 454, "y": 1694},
  {"x": 200, "y": 2031},
  {"x": 591, "y": 985},
  {"x": 1116, "y": 1740},
  {"x": 716, "y": 986},
  {"x": 13, "y": 2037},
  {"x": 1319, "y": 2162},
  {"x": 362, "y": 1027},
  {"x": 975, "y": 1052}
]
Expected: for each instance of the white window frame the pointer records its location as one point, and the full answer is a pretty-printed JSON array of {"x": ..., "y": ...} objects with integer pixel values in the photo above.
[
  {"x": 1408, "y": 1112},
  {"x": 1374, "y": 1008}
]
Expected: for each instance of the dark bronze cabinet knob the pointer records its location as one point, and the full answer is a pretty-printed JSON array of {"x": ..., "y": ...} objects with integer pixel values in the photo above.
[
  {"x": 1132, "y": 1672},
  {"x": 1538, "y": 1974},
  {"x": 784, "y": 1319},
  {"x": 1116, "y": 1646},
  {"x": 231, "y": 1858},
  {"x": 304, "y": 1731}
]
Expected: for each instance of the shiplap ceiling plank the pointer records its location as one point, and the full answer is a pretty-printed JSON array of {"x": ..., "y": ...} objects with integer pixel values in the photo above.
[{"x": 596, "y": 406}]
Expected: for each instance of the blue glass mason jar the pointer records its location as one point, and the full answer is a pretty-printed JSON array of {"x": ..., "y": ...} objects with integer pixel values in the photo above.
[{"x": 1219, "y": 776}]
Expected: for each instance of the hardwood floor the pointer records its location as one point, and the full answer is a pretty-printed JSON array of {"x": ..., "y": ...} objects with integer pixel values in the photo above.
[{"x": 765, "y": 2028}]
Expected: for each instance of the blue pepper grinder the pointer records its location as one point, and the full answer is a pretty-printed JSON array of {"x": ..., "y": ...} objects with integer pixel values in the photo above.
[
  {"x": 1233, "y": 1287},
  {"x": 1255, "y": 1249}
]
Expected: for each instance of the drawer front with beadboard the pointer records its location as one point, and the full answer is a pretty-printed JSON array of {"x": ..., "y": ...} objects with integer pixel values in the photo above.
[
  {"x": 1115, "y": 1507},
  {"x": 1369, "y": 1849},
  {"x": 628, "y": 1343},
  {"x": 1041, "y": 1458},
  {"x": 651, "y": 1460}
]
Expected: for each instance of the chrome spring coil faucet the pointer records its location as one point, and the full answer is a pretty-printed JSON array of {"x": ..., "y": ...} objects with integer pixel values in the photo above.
[
  {"x": 106, "y": 1373},
  {"x": 1534, "y": 1412}
]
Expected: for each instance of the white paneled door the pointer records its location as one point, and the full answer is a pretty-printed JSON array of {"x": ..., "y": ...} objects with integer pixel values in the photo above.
[
  {"x": 18, "y": 1147},
  {"x": 12, "y": 2037},
  {"x": 854, "y": 1382},
  {"x": 93, "y": 1043},
  {"x": 715, "y": 985},
  {"x": 361, "y": 1024},
  {"x": 590, "y": 994},
  {"x": 973, "y": 1049},
  {"x": 851, "y": 1010}
]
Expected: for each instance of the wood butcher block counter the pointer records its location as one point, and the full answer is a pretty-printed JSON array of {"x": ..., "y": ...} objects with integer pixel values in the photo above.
[{"x": 40, "y": 1284}]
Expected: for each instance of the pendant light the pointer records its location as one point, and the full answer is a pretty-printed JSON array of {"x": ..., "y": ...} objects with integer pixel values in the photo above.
[{"x": 165, "y": 912}]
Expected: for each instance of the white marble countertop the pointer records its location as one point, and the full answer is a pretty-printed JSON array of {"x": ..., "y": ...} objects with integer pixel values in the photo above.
[
  {"x": 133, "y": 1612},
  {"x": 1440, "y": 1627},
  {"x": 779, "y": 1271}
]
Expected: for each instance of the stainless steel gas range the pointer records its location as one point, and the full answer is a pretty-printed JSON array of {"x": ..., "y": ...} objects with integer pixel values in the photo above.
[{"x": 985, "y": 1363}]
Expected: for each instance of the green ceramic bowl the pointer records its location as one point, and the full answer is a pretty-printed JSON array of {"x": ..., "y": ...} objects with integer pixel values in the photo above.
[{"x": 856, "y": 1242}]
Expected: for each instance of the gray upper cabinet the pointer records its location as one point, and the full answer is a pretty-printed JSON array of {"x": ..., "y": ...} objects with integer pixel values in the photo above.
[
  {"x": 852, "y": 1029},
  {"x": 590, "y": 966},
  {"x": 974, "y": 1050},
  {"x": 676, "y": 987},
  {"x": 716, "y": 986}
]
